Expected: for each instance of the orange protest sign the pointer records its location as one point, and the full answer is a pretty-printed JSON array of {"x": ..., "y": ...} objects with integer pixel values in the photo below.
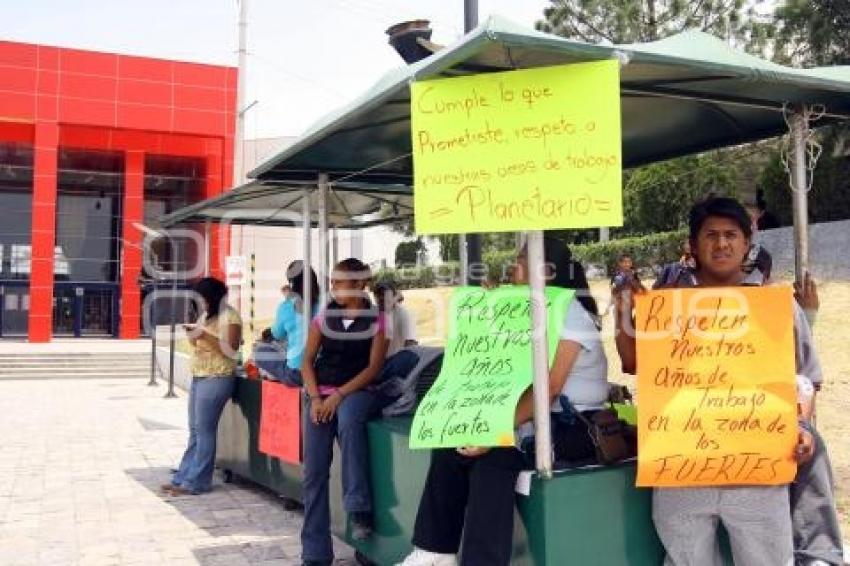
[
  {"x": 717, "y": 388},
  {"x": 280, "y": 422}
]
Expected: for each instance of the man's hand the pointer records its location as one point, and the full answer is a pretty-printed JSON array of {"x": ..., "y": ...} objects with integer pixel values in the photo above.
[
  {"x": 807, "y": 293},
  {"x": 805, "y": 446},
  {"x": 472, "y": 451}
]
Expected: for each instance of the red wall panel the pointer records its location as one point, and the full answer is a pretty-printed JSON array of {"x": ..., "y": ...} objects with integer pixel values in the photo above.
[
  {"x": 17, "y": 79},
  {"x": 83, "y": 111},
  {"x": 135, "y": 91},
  {"x": 91, "y": 87},
  {"x": 16, "y": 106},
  {"x": 197, "y": 74},
  {"x": 148, "y": 69},
  {"x": 19, "y": 54},
  {"x": 88, "y": 62},
  {"x": 144, "y": 116}
]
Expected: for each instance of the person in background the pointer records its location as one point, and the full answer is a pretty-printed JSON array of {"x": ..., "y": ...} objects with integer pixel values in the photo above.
[
  {"x": 288, "y": 328},
  {"x": 625, "y": 271},
  {"x": 345, "y": 352},
  {"x": 401, "y": 333},
  {"x": 765, "y": 527},
  {"x": 758, "y": 263},
  {"x": 766, "y": 220},
  {"x": 401, "y": 328},
  {"x": 214, "y": 340},
  {"x": 672, "y": 273},
  {"x": 624, "y": 276},
  {"x": 469, "y": 491}
]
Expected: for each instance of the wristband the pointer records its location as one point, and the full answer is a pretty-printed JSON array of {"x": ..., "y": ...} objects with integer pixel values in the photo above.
[{"x": 805, "y": 425}]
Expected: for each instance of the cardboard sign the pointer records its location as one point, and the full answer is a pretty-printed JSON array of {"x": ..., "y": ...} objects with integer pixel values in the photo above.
[
  {"x": 280, "y": 422},
  {"x": 486, "y": 367},
  {"x": 717, "y": 389},
  {"x": 518, "y": 150}
]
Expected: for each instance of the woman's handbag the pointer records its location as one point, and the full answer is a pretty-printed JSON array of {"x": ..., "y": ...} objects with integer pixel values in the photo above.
[{"x": 610, "y": 436}]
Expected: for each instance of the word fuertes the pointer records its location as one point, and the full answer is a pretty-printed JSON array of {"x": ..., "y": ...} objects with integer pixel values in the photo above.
[
  {"x": 717, "y": 323},
  {"x": 746, "y": 467}
]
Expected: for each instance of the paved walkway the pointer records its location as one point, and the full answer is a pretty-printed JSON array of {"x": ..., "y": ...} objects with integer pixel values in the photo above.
[{"x": 80, "y": 466}]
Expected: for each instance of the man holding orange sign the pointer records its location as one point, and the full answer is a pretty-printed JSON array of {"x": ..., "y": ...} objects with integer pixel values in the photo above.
[{"x": 719, "y": 423}]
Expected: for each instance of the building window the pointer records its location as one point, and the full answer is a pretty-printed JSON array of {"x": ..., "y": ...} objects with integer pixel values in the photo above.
[{"x": 88, "y": 215}]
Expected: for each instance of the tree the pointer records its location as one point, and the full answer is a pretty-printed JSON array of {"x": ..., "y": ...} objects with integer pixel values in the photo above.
[
  {"x": 813, "y": 32},
  {"x": 631, "y": 21},
  {"x": 829, "y": 198},
  {"x": 449, "y": 247},
  {"x": 657, "y": 197},
  {"x": 407, "y": 253}
]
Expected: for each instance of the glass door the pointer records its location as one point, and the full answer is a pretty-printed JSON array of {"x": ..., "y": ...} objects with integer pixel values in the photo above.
[
  {"x": 64, "y": 311},
  {"x": 14, "y": 309},
  {"x": 97, "y": 312}
]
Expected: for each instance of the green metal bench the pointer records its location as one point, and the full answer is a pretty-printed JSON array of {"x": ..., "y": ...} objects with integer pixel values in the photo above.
[{"x": 586, "y": 517}]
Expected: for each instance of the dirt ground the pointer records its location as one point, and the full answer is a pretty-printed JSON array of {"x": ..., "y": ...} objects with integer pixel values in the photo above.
[{"x": 832, "y": 337}]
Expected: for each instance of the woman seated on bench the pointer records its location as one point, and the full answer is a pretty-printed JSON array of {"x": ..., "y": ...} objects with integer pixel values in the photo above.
[
  {"x": 469, "y": 491},
  {"x": 343, "y": 360},
  {"x": 288, "y": 329}
]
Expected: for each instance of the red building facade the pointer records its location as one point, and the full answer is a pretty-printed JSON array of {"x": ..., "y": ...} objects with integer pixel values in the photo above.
[{"x": 92, "y": 145}]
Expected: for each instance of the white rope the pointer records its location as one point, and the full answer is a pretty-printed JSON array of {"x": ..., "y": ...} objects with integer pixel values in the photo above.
[{"x": 813, "y": 149}]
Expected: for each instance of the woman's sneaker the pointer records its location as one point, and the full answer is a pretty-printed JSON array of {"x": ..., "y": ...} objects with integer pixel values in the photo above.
[{"x": 420, "y": 557}]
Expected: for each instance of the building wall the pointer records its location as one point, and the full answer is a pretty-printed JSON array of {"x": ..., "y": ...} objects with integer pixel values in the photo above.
[{"x": 56, "y": 97}]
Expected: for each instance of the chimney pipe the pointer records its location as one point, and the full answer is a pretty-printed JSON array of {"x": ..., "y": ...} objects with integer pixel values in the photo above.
[{"x": 404, "y": 36}]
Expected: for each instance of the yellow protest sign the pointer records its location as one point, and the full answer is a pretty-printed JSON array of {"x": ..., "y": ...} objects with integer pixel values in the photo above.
[
  {"x": 716, "y": 384},
  {"x": 518, "y": 150}
]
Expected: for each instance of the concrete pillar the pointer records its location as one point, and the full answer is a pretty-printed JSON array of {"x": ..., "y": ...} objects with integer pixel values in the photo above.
[{"x": 133, "y": 212}]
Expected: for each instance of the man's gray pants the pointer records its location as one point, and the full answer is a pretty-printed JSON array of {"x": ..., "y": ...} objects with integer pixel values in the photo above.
[
  {"x": 817, "y": 535},
  {"x": 758, "y": 520}
]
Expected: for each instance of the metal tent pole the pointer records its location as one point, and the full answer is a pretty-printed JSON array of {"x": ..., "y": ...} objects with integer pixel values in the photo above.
[
  {"x": 799, "y": 191},
  {"x": 305, "y": 263},
  {"x": 540, "y": 355},
  {"x": 175, "y": 262},
  {"x": 207, "y": 247},
  {"x": 152, "y": 330},
  {"x": 335, "y": 247},
  {"x": 469, "y": 244},
  {"x": 323, "y": 272}
]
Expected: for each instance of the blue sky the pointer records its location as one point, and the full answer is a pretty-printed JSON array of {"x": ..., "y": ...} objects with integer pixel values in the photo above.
[{"x": 306, "y": 56}]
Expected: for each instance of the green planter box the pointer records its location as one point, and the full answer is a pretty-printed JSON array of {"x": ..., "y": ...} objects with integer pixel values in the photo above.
[
  {"x": 238, "y": 438},
  {"x": 587, "y": 517}
]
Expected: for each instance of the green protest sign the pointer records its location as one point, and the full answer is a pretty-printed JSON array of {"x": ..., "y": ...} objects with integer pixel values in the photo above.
[{"x": 486, "y": 367}]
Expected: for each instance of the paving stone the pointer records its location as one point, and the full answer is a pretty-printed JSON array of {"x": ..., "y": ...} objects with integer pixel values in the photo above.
[{"x": 81, "y": 480}]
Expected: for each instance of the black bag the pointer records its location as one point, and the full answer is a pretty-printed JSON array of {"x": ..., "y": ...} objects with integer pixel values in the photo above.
[{"x": 610, "y": 436}]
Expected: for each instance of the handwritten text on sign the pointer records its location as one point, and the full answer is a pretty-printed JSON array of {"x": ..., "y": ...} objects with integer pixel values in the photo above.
[
  {"x": 518, "y": 150},
  {"x": 280, "y": 422},
  {"x": 717, "y": 387},
  {"x": 486, "y": 367}
]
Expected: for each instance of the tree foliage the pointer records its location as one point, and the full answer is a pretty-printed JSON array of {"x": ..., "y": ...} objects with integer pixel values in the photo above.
[
  {"x": 631, "y": 21},
  {"x": 813, "y": 32},
  {"x": 407, "y": 253}
]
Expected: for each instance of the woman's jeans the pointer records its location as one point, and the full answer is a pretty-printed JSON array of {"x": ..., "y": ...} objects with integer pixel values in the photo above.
[
  {"x": 348, "y": 426},
  {"x": 207, "y": 397}
]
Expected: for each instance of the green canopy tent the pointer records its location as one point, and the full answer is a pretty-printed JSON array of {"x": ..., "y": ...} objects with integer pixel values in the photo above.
[{"x": 681, "y": 95}]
